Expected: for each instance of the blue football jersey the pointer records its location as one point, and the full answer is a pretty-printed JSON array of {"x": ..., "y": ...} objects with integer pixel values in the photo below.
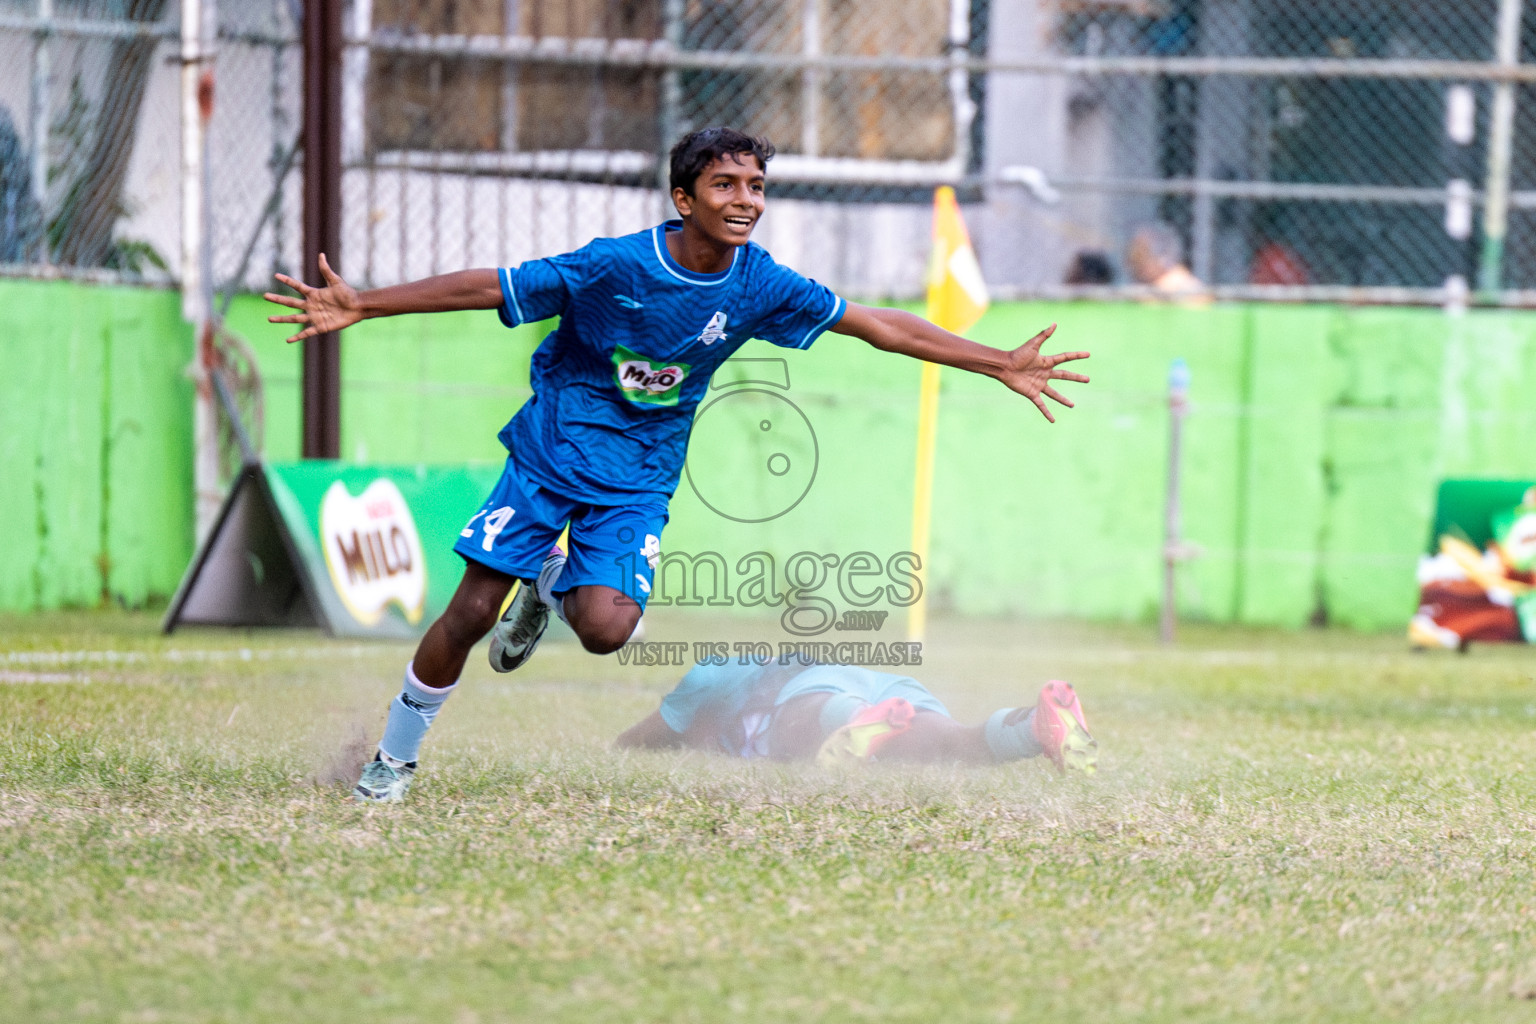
[{"x": 615, "y": 386}]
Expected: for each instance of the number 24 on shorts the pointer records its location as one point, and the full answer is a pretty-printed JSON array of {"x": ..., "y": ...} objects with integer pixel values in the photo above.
[{"x": 494, "y": 523}]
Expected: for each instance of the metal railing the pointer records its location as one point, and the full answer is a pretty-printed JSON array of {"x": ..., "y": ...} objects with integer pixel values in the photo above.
[{"x": 1314, "y": 150}]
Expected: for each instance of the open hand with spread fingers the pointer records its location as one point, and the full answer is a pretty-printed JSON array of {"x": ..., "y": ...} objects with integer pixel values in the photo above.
[
  {"x": 1023, "y": 370},
  {"x": 321, "y": 310},
  {"x": 1030, "y": 373}
]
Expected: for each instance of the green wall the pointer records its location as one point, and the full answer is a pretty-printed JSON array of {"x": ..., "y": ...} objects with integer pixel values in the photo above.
[
  {"x": 95, "y": 444},
  {"x": 1316, "y": 437},
  {"x": 415, "y": 388}
]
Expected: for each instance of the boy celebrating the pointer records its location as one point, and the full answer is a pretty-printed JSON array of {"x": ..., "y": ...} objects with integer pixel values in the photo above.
[{"x": 644, "y": 321}]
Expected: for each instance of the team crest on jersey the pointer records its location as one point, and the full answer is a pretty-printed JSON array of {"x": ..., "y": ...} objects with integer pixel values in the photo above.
[
  {"x": 645, "y": 382},
  {"x": 714, "y": 330}
]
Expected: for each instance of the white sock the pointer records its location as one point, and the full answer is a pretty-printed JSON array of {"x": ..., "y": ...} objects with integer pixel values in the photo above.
[
  {"x": 410, "y": 716},
  {"x": 1012, "y": 742}
]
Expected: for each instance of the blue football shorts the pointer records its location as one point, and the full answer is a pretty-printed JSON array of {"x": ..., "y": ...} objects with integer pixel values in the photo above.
[{"x": 610, "y": 546}]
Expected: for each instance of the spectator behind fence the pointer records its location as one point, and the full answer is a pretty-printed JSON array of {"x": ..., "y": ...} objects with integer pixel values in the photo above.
[
  {"x": 1278, "y": 263},
  {"x": 1091, "y": 267},
  {"x": 1156, "y": 257}
]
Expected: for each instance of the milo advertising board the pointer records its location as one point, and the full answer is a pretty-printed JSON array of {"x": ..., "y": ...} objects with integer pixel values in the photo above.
[{"x": 355, "y": 550}]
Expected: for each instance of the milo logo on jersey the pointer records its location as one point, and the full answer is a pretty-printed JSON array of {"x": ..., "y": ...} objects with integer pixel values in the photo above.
[{"x": 645, "y": 382}]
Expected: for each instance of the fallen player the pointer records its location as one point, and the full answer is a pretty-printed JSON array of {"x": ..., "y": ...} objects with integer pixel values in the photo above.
[{"x": 844, "y": 714}]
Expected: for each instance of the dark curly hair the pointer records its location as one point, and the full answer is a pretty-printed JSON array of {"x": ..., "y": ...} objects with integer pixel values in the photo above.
[{"x": 697, "y": 150}]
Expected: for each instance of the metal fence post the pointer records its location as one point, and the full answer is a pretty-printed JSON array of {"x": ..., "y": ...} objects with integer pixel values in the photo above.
[
  {"x": 1500, "y": 150},
  {"x": 810, "y": 78},
  {"x": 322, "y": 217},
  {"x": 959, "y": 82},
  {"x": 1173, "y": 545},
  {"x": 197, "y": 255},
  {"x": 672, "y": 13},
  {"x": 193, "y": 153},
  {"x": 354, "y": 83},
  {"x": 1218, "y": 149},
  {"x": 42, "y": 72}
]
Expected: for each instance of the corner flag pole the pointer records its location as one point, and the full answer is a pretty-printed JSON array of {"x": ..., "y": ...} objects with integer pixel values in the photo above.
[
  {"x": 922, "y": 493},
  {"x": 957, "y": 297}
]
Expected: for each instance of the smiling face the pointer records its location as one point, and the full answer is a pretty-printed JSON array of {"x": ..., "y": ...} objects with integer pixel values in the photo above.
[{"x": 727, "y": 199}]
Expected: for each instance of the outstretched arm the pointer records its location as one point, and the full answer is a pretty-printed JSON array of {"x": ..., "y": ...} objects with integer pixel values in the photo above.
[
  {"x": 338, "y": 304},
  {"x": 650, "y": 733},
  {"x": 1023, "y": 370}
]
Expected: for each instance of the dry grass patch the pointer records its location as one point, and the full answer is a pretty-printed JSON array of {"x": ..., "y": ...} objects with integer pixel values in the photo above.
[{"x": 1285, "y": 826}]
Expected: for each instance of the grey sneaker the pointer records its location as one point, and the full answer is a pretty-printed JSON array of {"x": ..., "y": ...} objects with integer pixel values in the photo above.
[
  {"x": 518, "y": 633},
  {"x": 382, "y": 782}
]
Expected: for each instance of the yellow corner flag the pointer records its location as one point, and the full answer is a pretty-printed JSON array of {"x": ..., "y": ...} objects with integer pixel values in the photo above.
[{"x": 957, "y": 297}]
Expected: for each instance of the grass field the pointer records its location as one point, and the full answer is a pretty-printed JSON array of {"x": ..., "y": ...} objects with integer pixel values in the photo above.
[{"x": 1307, "y": 826}]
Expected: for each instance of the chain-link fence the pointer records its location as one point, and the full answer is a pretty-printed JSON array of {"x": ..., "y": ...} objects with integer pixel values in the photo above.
[
  {"x": 1292, "y": 143},
  {"x": 87, "y": 144},
  {"x": 1276, "y": 148}
]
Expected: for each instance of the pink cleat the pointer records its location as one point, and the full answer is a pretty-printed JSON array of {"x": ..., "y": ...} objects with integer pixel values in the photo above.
[
  {"x": 1062, "y": 731},
  {"x": 869, "y": 730}
]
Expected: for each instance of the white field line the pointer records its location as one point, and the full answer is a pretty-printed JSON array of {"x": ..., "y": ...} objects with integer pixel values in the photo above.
[
  {"x": 359, "y": 651},
  {"x": 151, "y": 658},
  {"x": 42, "y": 677},
  {"x": 177, "y": 655},
  {"x": 356, "y": 652},
  {"x": 1235, "y": 658}
]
